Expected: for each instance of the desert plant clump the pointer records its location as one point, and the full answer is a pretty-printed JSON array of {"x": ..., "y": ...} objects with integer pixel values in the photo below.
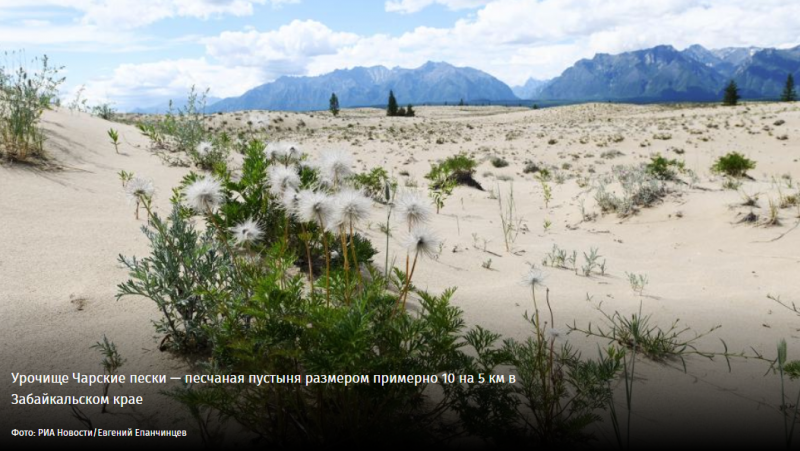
[
  {"x": 499, "y": 162},
  {"x": 458, "y": 168},
  {"x": 733, "y": 164},
  {"x": 183, "y": 129},
  {"x": 637, "y": 282},
  {"x": 24, "y": 96},
  {"x": 640, "y": 189},
  {"x": 104, "y": 111}
]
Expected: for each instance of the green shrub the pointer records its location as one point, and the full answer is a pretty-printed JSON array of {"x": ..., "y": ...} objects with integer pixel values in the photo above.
[
  {"x": 663, "y": 168},
  {"x": 733, "y": 164},
  {"x": 184, "y": 269}
]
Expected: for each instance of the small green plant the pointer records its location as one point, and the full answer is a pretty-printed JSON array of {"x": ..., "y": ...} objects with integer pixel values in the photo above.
[
  {"x": 487, "y": 264},
  {"x": 590, "y": 261},
  {"x": 114, "y": 135},
  {"x": 440, "y": 189},
  {"x": 547, "y": 191},
  {"x": 509, "y": 220},
  {"x": 638, "y": 282},
  {"x": 546, "y": 225},
  {"x": 112, "y": 361},
  {"x": 733, "y": 164},
  {"x": 125, "y": 177},
  {"x": 774, "y": 214}
]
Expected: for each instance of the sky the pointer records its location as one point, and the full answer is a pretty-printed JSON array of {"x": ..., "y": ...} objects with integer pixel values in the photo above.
[{"x": 140, "y": 53}]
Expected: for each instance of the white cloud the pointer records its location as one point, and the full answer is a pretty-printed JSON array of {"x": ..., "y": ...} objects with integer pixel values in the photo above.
[
  {"x": 412, "y": 6},
  {"x": 287, "y": 49},
  {"x": 138, "y": 85}
]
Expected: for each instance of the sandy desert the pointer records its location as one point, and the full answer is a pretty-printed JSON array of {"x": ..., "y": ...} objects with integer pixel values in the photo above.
[{"x": 710, "y": 260}]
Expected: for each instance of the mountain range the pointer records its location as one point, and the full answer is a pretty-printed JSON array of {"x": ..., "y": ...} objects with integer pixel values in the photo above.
[
  {"x": 531, "y": 89},
  {"x": 370, "y": 86},
  {"x": 657, "y": 74},
  {"x": 663, "y": 73}
]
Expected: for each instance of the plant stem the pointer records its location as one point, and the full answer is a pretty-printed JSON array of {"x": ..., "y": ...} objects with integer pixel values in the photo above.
[
  {"x": 355, "y": 256},
  {"x": 327, "y": 260},
  {"x": 308, "y": 257},
  {"x": 404, "y": 295}
]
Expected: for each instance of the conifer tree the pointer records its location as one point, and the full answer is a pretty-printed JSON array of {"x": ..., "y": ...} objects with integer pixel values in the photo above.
[
  {"x": 391, "y": 109},
  {"x": 731, "y": 97},
  {"x": 334, "y": 105},
  {"x": 789, "y": 93}
]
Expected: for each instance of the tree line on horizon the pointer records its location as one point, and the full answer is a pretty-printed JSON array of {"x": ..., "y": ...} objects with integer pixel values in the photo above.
[{"x": 731, "y": 97}]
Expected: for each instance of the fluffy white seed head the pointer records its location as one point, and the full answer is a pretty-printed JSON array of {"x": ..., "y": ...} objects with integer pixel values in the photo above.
[
  {"x": 335, "y": 165},
  {"x": 351, "y": 207},
  {"x": 204, "y": 194},
  {"x": 421, "y": 241},
  {"x": 313, "y": 206},
  {"x": 412, "y": 209},
  {"x": 284, "y": 152},
  {"x": 533, "y": 278},
  {"x": 553, "y": 333},
  {"x": 247, "y": 232},
  {"x": 289, "y": 201},
  {"x": 274, "y": 150},
  {"x": 282, "y": 178},
  {"x": 138, "y": 188},
  {"x": 204, "y": 148}
]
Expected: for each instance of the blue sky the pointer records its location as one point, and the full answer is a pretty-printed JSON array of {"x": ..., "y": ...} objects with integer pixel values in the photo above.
[{"x": 142, "y": 52}]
